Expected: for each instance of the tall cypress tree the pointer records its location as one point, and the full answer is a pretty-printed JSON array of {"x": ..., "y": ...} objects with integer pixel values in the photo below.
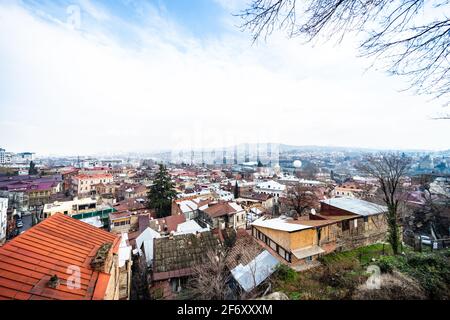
[
  {"x": 162, "y": 193},
  {"x": 32, "y": 170},
  {"x": 236, "y": 190}
]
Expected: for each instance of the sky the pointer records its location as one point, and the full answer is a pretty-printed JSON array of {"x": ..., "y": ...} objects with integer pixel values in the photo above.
[{"x": 89, "y": 77}]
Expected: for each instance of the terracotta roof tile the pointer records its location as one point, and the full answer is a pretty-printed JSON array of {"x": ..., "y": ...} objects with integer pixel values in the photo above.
[{"x": 29, "y": 261}]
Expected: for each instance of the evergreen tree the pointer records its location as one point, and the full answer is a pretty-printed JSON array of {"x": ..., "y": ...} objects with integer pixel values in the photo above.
[
  {"x": 162, "y": 193},
  {"x": 32, "y": 170},
  {"x": 236, "y": 190}
]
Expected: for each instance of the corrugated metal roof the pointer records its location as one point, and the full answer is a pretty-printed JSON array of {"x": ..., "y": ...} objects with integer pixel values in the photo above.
[
  {"x": 254, "y": 273},
  {"x": 356, "y": 206},
  {"x": 279, "y": 224}
]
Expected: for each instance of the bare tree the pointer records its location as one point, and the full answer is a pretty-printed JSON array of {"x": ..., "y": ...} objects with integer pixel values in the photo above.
[
  {"x": 299, "y": 199},
  {"x": 433, "y": 205},
  {"x": 389, "y": 169},
  {"x": 211, "y": 277},
  {"x": 400, "y": 39}
]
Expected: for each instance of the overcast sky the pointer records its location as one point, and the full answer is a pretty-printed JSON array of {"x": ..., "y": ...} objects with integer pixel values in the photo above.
[{"x": 135, "y": 75}]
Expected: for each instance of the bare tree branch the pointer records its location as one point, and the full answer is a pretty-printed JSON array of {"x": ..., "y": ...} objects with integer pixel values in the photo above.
[{"x": 400, "y": 40}]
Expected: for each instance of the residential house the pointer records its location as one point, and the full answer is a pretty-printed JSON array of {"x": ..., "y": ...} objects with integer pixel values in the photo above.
[
  {"x": 222, "y": 215},
  {"x": 166, "y": 225},
  {"x": 189, "y": 206},
  {"x": 249, "y": 263},
  {"x": 343, "y": 223},
  {"x": 174, "y": 261},
  {"x": 123, "y": 222},
  {"x": 62, "y": 259},
  {"x": 253, "y": 199}
]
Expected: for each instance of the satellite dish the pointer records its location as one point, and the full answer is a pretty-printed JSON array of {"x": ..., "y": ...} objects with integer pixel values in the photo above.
[{"x": 297, "y": 163}]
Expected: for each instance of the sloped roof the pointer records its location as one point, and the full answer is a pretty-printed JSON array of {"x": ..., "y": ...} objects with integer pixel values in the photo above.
[
  {"x": 244, "y": 250},
  {"x": 175, "y": 257},
  {"x": 222, "y": 209},
  {"x": 29, "y": 261},
  {"x": 171, "y": 222},
  {"x": 307, "y": 252},
  {"x": 254, "y": 273},
  {"x": 355, "y": 206},
  {"x": 280, "y": 224}
]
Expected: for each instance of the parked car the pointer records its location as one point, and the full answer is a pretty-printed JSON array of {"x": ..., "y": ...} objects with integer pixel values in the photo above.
[
  {"x": 426, "y": 240},
  {"x": 19, "y": 223}
]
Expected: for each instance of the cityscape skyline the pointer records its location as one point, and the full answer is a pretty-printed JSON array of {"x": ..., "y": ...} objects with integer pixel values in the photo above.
[{"x": 143, "y": 77}]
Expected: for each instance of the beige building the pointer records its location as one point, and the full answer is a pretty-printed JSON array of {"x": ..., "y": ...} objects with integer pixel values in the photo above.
[{"x": 86, "y": 184}]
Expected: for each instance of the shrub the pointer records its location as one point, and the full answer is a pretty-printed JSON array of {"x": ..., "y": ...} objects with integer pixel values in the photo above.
[
  {"x": 386, "y": 263},
  {"x": 285, "y": 274}
]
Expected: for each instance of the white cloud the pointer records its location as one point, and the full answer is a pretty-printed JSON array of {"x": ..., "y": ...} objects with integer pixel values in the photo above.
[{"x": 73, "y": 93}]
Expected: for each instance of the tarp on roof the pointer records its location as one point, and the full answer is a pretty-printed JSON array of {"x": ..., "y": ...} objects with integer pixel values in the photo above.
[{"x": 254, "y": 273}]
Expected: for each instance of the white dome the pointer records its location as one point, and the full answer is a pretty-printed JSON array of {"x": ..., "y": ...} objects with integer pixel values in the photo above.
[{"x": 297, "y": 163}]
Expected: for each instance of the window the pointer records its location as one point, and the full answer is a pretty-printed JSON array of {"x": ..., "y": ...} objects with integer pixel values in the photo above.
[
  {"x": 345, "y": 225},
  {"x": 366, "y": 219}
]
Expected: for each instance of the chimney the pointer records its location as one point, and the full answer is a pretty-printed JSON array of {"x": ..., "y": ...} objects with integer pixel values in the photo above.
[{"x": 103, "y": 258}]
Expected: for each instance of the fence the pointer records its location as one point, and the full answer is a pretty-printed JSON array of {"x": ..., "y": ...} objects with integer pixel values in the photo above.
[{"x": 418, "y": 244}]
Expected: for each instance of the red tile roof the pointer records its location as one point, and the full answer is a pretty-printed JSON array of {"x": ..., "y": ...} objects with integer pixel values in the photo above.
[
  {"x": 29, "y": 261},
  {"x": 171, "y": 222},
  {"x": 219, "y": 210},
  {"x": 93, "y": 176}
]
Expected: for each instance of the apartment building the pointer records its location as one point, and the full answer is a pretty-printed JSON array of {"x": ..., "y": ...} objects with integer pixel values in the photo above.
[{"x": 84, "y": 184}]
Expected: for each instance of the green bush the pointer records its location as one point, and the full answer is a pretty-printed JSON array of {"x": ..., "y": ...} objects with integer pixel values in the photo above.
[
  {"x": 285, "y": 274},
  {"x": 387, "y": 264}
]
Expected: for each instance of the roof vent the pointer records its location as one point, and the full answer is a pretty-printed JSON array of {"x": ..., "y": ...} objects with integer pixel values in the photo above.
[{"x": 54, "y": 282}]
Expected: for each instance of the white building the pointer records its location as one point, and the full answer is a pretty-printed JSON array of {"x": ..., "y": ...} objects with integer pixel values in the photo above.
[
  {"x": 271, "y": 187},
  {"x": 3, "y": 218},
  {"x": 223, "y": 195},
  {"x": 70, "y": 208}
]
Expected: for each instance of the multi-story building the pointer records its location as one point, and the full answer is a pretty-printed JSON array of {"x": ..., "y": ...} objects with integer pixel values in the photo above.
[
  {"x": 15, "y": 158},
  {"x": 85, "y": 209},
  {"x": 222, "y": 215},
  {"x": 23, "y": 157},
  {"x": 84, "y": 184},
  {"x": 70, "y": 208},
  {"x": 271, "y": 187},
  {"x": 3, "y": 219},
  {"x": 2, "y": 156}
]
